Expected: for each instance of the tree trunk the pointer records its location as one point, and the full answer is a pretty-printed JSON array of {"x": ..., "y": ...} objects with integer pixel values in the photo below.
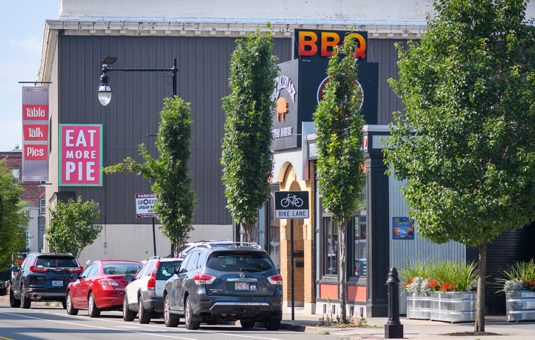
[
  {"x": 342, "y": 285},
  {"x": 480, "y": 304},
  {"x": 176, "y": 247},
  {"x": 250, "y": 233}
]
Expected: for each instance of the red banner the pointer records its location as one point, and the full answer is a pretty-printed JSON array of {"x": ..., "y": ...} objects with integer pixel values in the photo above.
[
  {"x": 81, "y": 154},
  {"x": 35, "y": 152},
  {"x": 35, "y": 132},
  {"x": 34, "y": 112}
]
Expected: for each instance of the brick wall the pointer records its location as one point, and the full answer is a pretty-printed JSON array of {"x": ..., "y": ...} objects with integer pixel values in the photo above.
[{"x": 32, "y": 191}]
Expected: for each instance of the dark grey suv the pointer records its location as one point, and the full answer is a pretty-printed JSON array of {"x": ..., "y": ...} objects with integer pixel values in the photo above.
[
  {"x": 225, "y": 282},
  {"x": 43, "y": 277}
]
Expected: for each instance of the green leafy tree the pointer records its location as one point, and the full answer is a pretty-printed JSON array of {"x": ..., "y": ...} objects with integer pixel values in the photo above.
[
  {"x": 13, "y": 220},
  {"x": 169, "y": 172},
  {"x": 465, "y": 143},
  {"x": 340, "y": 157},
  {"x": 246, "y": 157},
  {"x": 73, "y": 225}
]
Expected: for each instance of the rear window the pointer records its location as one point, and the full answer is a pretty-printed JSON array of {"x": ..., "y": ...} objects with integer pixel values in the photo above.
[
  {"x": 121, "y": 268},
  {"x": 167, "y": 269},
  {"x": 52, "y": 262},
  {"x": 235, "y": 261}
]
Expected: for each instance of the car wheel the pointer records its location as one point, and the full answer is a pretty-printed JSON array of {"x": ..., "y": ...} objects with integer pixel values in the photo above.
[
  {"x": 171, "y": 320},
  {"x": 64, "y": 304},
  {"x": 188, "y": 316},
  {"x": 247, "y": 324},
  {"x": 92, "y": 309},
  {"x": 128, "y": 315},
  {"x": 26, "y": 302},
  {"x": 70, "y": 309},
  {"x": 143, "y": 314},
  {"x": 273, "y": 324},
  {"x": 13, "y": 301}
]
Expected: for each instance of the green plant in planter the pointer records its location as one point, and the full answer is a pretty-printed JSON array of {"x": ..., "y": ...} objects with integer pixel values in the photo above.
[
  {"x": 520, "y": 276},
  {"x": 440, "y": 276}
]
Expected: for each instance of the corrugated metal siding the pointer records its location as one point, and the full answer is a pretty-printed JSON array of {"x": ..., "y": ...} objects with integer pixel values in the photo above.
[
  {"x": 403, "y": 252},
  {"x": 133, "y": 113},
  {"x": 382, "y": 51}
]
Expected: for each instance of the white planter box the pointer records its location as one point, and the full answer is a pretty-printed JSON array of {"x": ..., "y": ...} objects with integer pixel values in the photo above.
[
  {"x": 453, "y": 306},
  {"x": 418, "y": 306},
  {"x": 520, "y": 305}
]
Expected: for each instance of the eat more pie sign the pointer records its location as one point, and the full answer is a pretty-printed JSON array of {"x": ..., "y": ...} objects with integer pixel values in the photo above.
[{"x": 80, "y": 155}]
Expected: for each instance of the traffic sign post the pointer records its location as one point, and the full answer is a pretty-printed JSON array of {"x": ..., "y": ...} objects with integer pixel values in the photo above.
[
  {"x": 291, "y": 205},
  {"x": 145, "y": 208}
]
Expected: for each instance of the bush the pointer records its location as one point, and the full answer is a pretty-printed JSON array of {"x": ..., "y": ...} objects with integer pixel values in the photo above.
[
  {"x": 520, "y": 276},
  {"x": 440, "y": 276}
]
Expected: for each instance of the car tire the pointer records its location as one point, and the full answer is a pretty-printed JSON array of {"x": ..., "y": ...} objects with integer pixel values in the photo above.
[
  {"x": 273, "y": 323},
  {"x": 92, "y": 308},
  {"x": 128, "y": 315},
  {"x": 64, "y": 304},
  {"x": 25, "y": 301},
  {"x": 171, "y": 320},
  {"x": 247, "y": 324},
  {"x": 69, "y": 306},
  {"x": 13, "y": 301},
  {"x": 188, "y": 316},
  {"x": 142, "y": 314}
]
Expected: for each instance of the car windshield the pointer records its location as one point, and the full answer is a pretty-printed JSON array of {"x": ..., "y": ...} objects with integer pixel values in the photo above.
[
  {"x": 52, "y": 262},
  {"x": 121, "y": 268},
  {"x": 238, "y": 260},
  {"x": 167, "y": 269}
]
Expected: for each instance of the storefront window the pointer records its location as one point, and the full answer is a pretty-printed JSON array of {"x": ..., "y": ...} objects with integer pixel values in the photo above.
[
  {"x": 330, "y": 258},
  {"x": 359, "y": 246}
]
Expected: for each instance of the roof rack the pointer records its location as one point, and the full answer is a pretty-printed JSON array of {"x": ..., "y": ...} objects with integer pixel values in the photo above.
[{"x": 229, "y": 244}]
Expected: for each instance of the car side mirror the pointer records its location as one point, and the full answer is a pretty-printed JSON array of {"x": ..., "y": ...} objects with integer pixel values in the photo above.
[
  {"x": 129, "y": 277},
  {"x": 14, "y": 269}
]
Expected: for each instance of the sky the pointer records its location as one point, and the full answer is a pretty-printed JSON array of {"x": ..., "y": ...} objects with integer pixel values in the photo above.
[{"x": 22, "y": 27}]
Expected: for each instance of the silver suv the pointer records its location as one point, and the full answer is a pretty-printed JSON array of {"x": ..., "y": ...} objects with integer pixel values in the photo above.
[{"x": 144, "y": 295}]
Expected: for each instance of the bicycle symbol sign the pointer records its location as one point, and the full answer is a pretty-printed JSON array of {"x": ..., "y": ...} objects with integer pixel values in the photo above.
[{"x": 291, "y": 204}]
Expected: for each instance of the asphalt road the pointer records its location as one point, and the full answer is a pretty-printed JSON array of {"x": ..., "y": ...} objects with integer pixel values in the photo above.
[{"x": 47, "y": 322}]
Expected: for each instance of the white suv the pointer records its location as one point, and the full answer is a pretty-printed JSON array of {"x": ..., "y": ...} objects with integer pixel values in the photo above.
[{"x": 144, "y": 295}]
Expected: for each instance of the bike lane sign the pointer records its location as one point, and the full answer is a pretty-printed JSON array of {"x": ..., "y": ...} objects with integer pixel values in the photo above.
[{"x": 291, "y": 204}]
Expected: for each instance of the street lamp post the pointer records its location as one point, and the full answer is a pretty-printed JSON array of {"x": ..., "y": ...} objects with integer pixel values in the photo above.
[
  {"x": 104, "y": 95},
  {"x": 104, "y": 90}
]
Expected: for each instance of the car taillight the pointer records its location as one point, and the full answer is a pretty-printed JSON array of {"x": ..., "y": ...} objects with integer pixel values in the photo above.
[
  {"x": 203, "y": 279},
  {"x": 76, "y": 270},
  {"x": 152, "y": 281},
  {"x": 108, "y": 282},
  {"x": 38, "y": 269},
  {"x": 275, "y": 280}
]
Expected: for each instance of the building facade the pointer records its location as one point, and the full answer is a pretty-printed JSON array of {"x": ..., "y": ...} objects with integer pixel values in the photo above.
[{"x": 201, "y": 35}]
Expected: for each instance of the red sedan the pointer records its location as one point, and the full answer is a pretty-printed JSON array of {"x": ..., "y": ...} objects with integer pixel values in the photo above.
[{"x": 100, "y": 287}]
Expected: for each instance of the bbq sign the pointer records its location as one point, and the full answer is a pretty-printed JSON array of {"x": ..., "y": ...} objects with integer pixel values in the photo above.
[
  {"x": 80, "y": 155},
  {"x": 312, "y": 43},
  {"x": 291, "y": 204}
]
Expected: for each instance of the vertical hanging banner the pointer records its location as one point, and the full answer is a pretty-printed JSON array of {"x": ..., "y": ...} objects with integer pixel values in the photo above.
[
  {"x": 35, "y": 133},
  {"x": 80, "y": 159}
]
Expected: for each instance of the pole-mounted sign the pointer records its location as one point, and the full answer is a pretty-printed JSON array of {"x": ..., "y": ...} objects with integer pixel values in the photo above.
[{"x": 291, "y": 204}]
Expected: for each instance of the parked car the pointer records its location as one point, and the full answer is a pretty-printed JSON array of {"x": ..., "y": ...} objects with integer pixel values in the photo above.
[
  {"x": 144, "y": 295},
  {"x": 100, "y": 287},
  {"x": 190, "y": 246},
  {"x": 225, "y": 282},
  {"x": 42, "y": 277}
]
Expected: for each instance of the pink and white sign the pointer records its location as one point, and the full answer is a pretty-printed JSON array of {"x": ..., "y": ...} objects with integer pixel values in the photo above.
[
  {"x": 35, "y": 133},
  {"x": 80, "y": 154}
]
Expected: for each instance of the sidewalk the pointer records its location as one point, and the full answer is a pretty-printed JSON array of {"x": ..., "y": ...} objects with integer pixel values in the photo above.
[{"x": 413, "y": 329}]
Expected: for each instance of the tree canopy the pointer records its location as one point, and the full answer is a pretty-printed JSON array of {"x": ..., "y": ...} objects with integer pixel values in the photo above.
[
  {"x": 169, "y": 172},
  {"x": 340, "y": 156},
  {"x": 13, "y": 220},
  {"x": 246, "y": 155},
  {"x": 466, "y": 140},
  {"x": 73, "y": 225}
]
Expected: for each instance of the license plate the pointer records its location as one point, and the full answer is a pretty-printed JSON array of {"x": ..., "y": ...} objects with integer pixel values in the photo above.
[
  {"x": 241, "y": 286},
  {"x": 57, "y": 283}
]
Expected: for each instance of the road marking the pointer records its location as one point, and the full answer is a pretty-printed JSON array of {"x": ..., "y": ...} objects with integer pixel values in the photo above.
[
  {"x": 100, "y": 327},
  {"x": 133, "y": 326},
  {"x": 1, "y": 337}
]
